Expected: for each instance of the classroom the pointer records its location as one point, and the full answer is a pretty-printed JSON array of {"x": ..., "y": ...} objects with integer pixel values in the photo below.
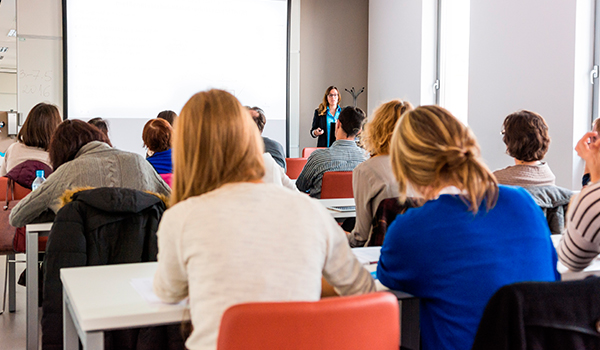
[{"x": 481, "y": 61}]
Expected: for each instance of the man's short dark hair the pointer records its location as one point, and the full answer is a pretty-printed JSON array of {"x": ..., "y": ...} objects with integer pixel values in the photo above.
[
  {"x": 526, "y": 136},
  {"x": 260, "y": 120},
  {"x": 100, "y": 124},
  {"x": 352, "y": 120},
  {"x": 167, "y": 115}
]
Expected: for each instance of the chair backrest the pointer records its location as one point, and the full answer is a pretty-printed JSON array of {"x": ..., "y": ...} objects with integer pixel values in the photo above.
[
  {"x": 386, "y": 212},
  {"x": 542, "y": 315},
  {"x": 100, "y": 226},
  {"x": 308, "y": 150},
  {"x": 337, "y": 184},
  {"x": 369, "y": 321},
  {"x": 294, "y": 167},
  {"x": 554, "y": 202},
  {"x": 20, "y": 191}
]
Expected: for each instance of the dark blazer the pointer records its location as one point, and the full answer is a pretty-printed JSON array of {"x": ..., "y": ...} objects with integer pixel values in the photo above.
[
  {"x": 275, "y": 149},
  {"x": 99, "y": 227},
  {"x": 320, "y": 121}
]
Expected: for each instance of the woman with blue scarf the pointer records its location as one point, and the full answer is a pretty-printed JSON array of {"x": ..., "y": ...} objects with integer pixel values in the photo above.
[{"x": 157, "y": 138}]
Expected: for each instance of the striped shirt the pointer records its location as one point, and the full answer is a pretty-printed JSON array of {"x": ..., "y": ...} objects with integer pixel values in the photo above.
[
  {"x": 343, "y": 155},
  {"x": 581, "y": 243}
]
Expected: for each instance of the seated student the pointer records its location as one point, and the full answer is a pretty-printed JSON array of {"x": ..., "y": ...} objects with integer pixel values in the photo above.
[
  {"x": 271, "y": 146},
  {"x": 274, "y": 173},
  {"x": 33, "y": 138},
  {"x": 167, "y": 115},
  {"x": 527, "y": 141},
  {"x": 343, "y": 155},
  {"x": 101, "y": 124},
  {"x": 469, "y": 238},
  {"x": 157, "y": 139},
  {"x": 81, "y": 156},
  {"x": 373, "y": 180},
  {"x": 581, "y": 242},
  {"x": 228, "y": 238},
  {"x": 586, "y": 173}
]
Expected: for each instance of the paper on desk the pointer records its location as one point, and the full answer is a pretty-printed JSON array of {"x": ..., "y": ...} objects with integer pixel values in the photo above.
[
  {"x": 144, "y": 287},
  {"x": 367, "y": 255}
]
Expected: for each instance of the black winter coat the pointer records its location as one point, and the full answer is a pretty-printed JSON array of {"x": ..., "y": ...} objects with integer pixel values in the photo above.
[
  {"x": 542, "y": 316},
  {"x": 99, "y": 227}
]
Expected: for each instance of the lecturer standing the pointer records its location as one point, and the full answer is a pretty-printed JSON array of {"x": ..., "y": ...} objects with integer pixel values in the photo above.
[{"x": 326, "y": 116}]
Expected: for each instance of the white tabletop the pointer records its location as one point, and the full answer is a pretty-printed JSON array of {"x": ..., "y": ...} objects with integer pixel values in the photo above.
[
  {"x": 339, "y": 202},
  {"x": 103, "y": 298}
]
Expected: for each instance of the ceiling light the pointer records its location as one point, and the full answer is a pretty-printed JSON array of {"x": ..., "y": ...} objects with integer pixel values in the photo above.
[
  {"x": 3, "y": 49},
  {"x": 12, "y": 33}
]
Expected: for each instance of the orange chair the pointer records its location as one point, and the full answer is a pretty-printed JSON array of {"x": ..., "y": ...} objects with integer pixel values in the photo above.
[
  {"x": 19, "y": 192},
  {"x": 308, "y": 150},
  {"x": 337, "y": 184},
  {"x": 294, "y": 167},
  {"x": 369, "y": 321}
]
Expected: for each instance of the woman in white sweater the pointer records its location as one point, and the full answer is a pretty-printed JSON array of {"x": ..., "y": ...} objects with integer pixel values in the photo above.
[
  {"x": 229, "y": 238},
  {"x": 373, "y": 180},
  {"x": 33, "y": 138}
]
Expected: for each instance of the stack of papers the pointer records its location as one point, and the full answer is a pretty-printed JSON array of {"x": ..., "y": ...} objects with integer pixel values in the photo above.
[{"x": 367, "y": 255}]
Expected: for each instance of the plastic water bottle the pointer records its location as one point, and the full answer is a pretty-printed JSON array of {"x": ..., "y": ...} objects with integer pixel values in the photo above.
[{"x": 39, "y": 179}]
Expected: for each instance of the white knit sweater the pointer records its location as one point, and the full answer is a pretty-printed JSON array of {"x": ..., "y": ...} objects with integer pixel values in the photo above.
[{"x": 250, "y": 242}]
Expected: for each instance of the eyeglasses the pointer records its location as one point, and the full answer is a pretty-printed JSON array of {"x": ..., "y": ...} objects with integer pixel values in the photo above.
[{"x": 333, "y": 95}]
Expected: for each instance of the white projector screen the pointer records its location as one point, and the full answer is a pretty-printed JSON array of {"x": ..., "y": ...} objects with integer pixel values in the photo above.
[{"x": 129, "y": 60}]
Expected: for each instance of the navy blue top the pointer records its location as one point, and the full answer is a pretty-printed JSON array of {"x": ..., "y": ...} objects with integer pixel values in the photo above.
[
  {"x": 454, "y": 261},
  {"x": 161, "y": 161}
]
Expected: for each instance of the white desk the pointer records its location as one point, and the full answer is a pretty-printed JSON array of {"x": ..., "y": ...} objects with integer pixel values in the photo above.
[
  {"x": 32, "y": 261},
  {"x": 410, "y": 330},
  {"x": 339, "y": 202},
  {"x": 100, "y": 298}
]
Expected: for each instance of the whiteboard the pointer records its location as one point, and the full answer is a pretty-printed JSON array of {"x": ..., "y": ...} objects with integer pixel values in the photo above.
[
  {"x": 155, "y": 59},
  {"x": 39, "y": 73}
]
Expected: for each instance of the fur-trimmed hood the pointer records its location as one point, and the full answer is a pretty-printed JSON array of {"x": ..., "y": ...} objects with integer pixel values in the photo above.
[{"x": 113, "y": 199}]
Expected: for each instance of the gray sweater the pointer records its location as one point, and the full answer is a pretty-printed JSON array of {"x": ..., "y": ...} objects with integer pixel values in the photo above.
[{"x": 95, "y": 165}]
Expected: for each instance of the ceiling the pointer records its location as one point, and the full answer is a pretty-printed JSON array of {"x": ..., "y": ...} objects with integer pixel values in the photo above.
[{"x": 8, "y": 22}]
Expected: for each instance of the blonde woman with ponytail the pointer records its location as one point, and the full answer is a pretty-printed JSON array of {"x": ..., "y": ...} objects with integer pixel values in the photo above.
[
  {"x": 470, "y": 236},
  {"x": 373, "y": 180},
  {"x": 229, "y": 238}
]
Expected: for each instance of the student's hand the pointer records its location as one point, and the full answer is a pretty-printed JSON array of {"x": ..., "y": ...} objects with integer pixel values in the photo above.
[
  {"x": 588, "y": 148},
  {"x": 318, "y": 132}
]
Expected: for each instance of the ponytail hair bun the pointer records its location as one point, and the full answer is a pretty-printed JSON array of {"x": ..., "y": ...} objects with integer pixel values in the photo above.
[{"x": 430, "y": 148}]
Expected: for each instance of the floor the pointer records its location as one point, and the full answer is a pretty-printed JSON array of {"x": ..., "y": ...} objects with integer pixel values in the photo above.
[{"x": 12, "y": 325}]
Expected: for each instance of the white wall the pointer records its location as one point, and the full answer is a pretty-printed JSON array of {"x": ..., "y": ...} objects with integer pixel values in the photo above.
[
  {"x": 395, "y": 45},
  {"x": 333, "y": 51},
  {"x": 522, "y": 56},
  {"x": 8, "y": 91},
  {"x": 39, "y": 53}
]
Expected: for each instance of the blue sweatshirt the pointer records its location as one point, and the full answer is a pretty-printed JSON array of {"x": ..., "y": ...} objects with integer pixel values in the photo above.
[
  {"x": 161, "y": 161},
  {"x": 454, "y": 261}
]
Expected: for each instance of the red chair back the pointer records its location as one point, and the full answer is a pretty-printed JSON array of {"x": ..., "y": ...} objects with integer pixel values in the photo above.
[
  {"x": 294, "y": 167},
  {"x": 337, "y": 184},
  {"x": 369, "y": 321},
  {"x": 20, "y": 191},
  {"x": 308, "y": 150}
]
